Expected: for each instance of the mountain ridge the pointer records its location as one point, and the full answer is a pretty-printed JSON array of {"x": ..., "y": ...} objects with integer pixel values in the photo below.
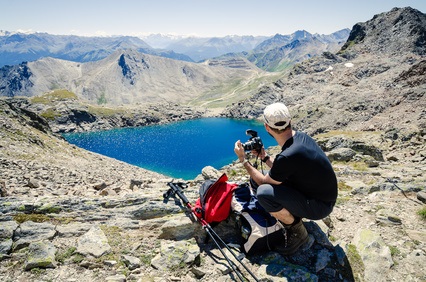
[
  {"x": 360, "y": 86},
  {"x": 19, "y": 47},
  {"x": 16, "y": 48},
  {"x": 124, "y": 77},
  {"x": 378, "y": 35},
  {"x": 279, "y": 40}
]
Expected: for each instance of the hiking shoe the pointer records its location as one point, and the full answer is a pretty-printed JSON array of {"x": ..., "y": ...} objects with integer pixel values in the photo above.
[{"x": 295, "y": 236}]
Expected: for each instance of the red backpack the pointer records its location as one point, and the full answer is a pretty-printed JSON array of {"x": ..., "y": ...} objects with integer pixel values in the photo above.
[{"x": 214, "y": 204}]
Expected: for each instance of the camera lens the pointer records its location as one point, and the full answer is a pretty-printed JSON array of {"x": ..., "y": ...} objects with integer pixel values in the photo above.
[{"x": 255, "y": 143}]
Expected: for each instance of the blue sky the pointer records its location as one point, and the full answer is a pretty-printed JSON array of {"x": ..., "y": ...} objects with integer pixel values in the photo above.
[{"x": 191, "y": 17}]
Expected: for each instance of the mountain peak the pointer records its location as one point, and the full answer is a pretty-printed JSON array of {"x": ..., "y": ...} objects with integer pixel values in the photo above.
[
  {"x": 378, "y": 34},
  {"x": 301, "y": 33}
]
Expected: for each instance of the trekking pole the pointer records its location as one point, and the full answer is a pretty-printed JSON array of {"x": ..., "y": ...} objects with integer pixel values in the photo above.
[
  {"x": 175, "y": 189},
  {"x": 232, "y": 252},
  {"x": 231, "y": 264}
]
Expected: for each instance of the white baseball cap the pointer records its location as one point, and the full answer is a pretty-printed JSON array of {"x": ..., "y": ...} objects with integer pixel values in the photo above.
[{"x": 277, "y": 116}]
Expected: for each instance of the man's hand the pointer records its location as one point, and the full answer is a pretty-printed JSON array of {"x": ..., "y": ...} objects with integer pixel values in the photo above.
[
  {"x": 239, "y": 151},
  {"x": 261, "y": 155}
]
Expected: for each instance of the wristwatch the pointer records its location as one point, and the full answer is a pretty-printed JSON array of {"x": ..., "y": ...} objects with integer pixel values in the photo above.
[{"x": 265, "y": 159}]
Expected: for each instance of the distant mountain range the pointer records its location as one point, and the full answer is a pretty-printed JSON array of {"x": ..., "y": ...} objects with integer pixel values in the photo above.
[
  {"x": 125, "y": 77},
  {"x": 200, "y": 49},
  {"x": 125, "y": 70},
  {"x": 282, "y": 51},
  {"x": 16, "y": 48}
]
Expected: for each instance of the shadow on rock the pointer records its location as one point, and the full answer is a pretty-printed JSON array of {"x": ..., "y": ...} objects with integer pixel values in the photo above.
[
  {"x": 317, "y": 260},
  {"x": 320, "y": 262}
]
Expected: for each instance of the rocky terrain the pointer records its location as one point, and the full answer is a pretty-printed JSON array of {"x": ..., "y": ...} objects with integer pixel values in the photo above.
[
  {"x": 72, "y": 215},
  {"x": 65, "y": 112},
  {"x": 375, "y": 83},
  {"x": 282, "y": 51}
]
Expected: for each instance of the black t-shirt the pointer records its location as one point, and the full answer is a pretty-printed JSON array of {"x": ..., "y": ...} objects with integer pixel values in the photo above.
[{"x": 303, "y": 165}]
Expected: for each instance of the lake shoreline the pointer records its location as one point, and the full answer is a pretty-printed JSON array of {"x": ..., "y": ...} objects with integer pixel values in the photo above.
[{"x": 179, "y": 149}]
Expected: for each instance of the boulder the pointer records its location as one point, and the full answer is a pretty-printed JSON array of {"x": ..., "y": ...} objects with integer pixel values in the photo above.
[
  {"x": 341, "y": 154},
  {"x": 175, "y": 255},
  {"x": 210, "y": 172},
  {"x": 29, "y": 232},
  {"x": 94, "y": 242},
  {"x": 374, "y": 253},
  {"x": 41, "y": 255},
  {"x": 131, "y": 262},
  {"x": 421, "y": 196}
]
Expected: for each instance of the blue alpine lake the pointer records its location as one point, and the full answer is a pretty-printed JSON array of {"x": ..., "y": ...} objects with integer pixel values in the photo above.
[{"x": 179, "y": 149}]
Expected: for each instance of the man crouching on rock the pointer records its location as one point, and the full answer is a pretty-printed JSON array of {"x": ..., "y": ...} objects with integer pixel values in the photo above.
[{"x": 301, "y": 182}]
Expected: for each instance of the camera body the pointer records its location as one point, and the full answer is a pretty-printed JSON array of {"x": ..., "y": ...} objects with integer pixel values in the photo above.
[{"x": 254, "y": 143}]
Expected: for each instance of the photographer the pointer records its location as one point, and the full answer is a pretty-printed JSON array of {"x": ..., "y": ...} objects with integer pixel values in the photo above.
[{"x": 301, "y": 182}]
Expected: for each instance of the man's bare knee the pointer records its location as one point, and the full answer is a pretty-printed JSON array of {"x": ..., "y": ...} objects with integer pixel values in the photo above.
[{"x": 284, "y": 216}]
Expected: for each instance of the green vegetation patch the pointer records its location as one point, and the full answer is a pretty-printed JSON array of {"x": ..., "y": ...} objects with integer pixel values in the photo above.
[
  {"x": 422, "y": 213},
  {"x": 119, "y": 242},
  {"x": 356, "y": 262},
  {"x": 394, "y": 251},
  {"x": 348, "y": 45},
  {"x": 358, "y": 166},
  {"x": 146, "y": 258},
  {"x": 49, "y": 208},
  {"x": 22, "y": 217},
  {"x": 104, "y": 111},
  {"x": 36, "y": 217},
  {"x": 50, "y": 114},
  {"x": 234, "y": 90},
  {"x": 113, "y": 233},
  {"x": 77, "y": 258},
  {"x": 283, "y": 66},
  {"x": 54, "y": 96},
  {"x": 342, "y": 199},
  {"x": 342, "y": 186},
  {"x": 332, "y": 238},
  {"x": 348, "y": 134},
  {"x": 64, "y": 255},
  {"x": 102, "y": 99},
  {"x": 38, "y": 271}
]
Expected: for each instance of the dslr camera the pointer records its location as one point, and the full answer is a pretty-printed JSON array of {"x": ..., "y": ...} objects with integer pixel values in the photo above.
[{"x": 254, "y": 143}]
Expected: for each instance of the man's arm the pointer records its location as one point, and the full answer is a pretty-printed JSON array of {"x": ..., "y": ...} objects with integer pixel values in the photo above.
[
  {"x": 268, "y": 160},
  {"x": 256, "y": 175}
]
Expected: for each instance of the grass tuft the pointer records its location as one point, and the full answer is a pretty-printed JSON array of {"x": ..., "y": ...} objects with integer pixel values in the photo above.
[
  {"x": 422, "y": 213},
  {"x": 22, "y": 217}
]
